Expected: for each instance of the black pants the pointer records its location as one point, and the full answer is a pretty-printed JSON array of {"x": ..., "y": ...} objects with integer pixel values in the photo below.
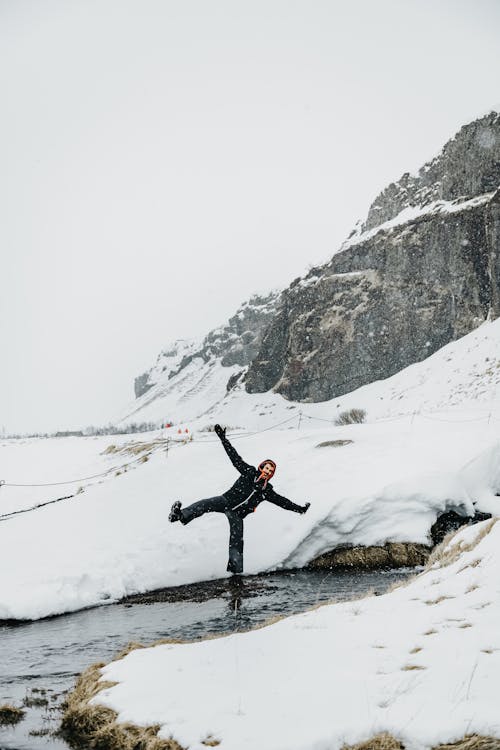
[{"x": 219, "y": 504}]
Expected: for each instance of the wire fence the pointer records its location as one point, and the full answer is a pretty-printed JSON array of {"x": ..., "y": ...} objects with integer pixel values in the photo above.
[
  {"x": 299, "y": 415},
  {"x": 111, "y": 469},
  {"x": 34, "y": 507}
]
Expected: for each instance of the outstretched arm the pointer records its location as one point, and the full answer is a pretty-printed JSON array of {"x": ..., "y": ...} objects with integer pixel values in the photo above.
[
  {"x": 234, "y": 456},
  {"x": 285, "y": 503}
]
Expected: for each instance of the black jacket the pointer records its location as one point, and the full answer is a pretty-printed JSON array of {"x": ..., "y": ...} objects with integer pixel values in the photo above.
[{"x": 247, "y": 492}]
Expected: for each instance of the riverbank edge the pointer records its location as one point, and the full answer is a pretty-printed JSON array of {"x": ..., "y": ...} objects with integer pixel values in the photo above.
[
  {"x": 390, "y": 556},
  {"x": 95, "y": 726}
]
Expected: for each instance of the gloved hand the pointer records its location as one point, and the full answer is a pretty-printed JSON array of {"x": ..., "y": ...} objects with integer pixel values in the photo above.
[
  {"x": 305, "y": 508},
  {"x": 220, "y": 431}
]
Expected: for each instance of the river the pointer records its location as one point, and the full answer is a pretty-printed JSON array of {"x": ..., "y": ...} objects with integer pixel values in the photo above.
[{"x": 40, "y": 660}]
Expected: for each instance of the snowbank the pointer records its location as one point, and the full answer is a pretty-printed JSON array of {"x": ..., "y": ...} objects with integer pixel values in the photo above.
[
  {"x": 422, "y": 663},
  {"x": 114, "y": 538}
]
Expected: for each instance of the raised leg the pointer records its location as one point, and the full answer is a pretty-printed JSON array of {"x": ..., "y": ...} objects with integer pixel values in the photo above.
[{"x": 216, "y": 504}]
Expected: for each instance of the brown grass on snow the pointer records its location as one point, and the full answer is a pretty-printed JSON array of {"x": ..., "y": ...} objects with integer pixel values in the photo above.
[
  {"x": 390, "y": 555},
  {"x": 382, "y": 741},
  {"x": 96, "y": 726},
  {"x": 448, "y": 552},
  {"x": 446, "y": 557},
  {"x": 334, "y": 443},
  {"x": 473, "y": 742},
  {"x": 386, "y": 741},
  {"x": 10, "y": 714}
]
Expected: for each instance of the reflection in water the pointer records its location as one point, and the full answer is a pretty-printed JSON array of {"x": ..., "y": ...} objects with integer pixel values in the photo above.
[
  {"x": 236, "y": 589},
  {"x": 39, "y": 661}
]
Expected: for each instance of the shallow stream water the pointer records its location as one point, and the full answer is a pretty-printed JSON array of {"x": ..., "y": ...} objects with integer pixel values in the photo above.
[{"x": 39, "y": 661}]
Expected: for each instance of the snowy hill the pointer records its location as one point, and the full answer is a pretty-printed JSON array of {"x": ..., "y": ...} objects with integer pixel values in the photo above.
[{"x": 463, "y": 374}]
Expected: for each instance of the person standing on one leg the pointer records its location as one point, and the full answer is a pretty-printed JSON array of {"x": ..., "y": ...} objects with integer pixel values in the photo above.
[{"x": 249, "y": 490}]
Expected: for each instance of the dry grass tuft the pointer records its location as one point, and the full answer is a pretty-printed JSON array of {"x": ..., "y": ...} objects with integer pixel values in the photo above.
[
  {"x": 411, "y": 667},
  {"x": 111, "y": 735},
  {"x": 472, "y": 742},
  {"x": 96, "y": 726},
  {"x": 472, "y": 564},
  {"x": 135, "y": 447},
  {"x": 210, "y": 741},
  {"x": 382, "y": 741},
  {"x": 351, "y": 416},
  {"x": 472, "y": 588},
  {"x": 40, "y": 732},
  {"x": 132, "y": 646},
  {"x": 386, "y": 741},
  {"x": 334, "y": 443},
  {"x": 10, "y": 715},
  {"x": 416, "y": 650},
  {"x": 437, "y": 556},
  {"x": 448, "y": 552},
  {"x": 33, "y": 700},
  {"x": 438, "y": 600}
]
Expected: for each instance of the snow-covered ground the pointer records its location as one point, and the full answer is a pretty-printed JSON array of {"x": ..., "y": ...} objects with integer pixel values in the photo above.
[
  {"x": 431, "y": 442},
  {"x": 422, "y": 663}
]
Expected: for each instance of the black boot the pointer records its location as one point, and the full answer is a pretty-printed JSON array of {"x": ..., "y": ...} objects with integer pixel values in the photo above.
[
  {"x": 175, "y": 512},
  {"x": 234, "y": 568}
]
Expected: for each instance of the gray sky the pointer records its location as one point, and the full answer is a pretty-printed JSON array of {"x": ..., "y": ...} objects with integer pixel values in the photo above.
[{"x": 162, "y": 160}]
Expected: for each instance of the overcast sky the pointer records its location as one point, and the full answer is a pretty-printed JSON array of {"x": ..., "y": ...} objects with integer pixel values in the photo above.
[{"x": 162, "y": 160}]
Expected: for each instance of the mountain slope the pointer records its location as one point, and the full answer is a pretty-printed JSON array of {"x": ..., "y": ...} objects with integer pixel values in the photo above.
[
  {"x": 190, "y": 376},
  {"x": 422, "y": 271}
]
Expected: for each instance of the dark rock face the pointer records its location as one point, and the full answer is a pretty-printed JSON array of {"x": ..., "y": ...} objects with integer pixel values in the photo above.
[
  {"x": 395, "y": 295},
  {"x": 141, "y": 384},
  {"x": 235, "y": 343},
  {"x": 468, "y": 165},
  {"x": 451, "y": 521},
  {"x": 238, "y": 342}
]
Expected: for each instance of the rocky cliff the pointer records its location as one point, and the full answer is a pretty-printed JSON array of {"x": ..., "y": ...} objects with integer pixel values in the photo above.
[
  {"x": 423, "y": 270},
  {"x": 235, "y": 343}
]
